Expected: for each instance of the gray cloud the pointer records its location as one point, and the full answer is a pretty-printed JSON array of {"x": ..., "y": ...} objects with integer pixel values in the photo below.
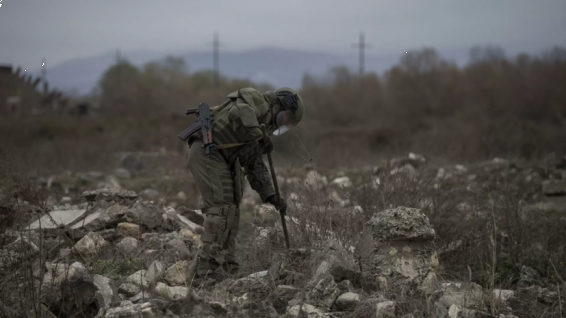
[{"x": 63, "y": 29}]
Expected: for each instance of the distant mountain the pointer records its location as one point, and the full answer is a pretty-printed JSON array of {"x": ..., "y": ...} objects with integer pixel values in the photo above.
[{"x": 278, "y": 67}]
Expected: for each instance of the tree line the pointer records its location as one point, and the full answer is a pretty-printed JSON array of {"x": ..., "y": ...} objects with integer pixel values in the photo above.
[{"x": 494, "y": 106}]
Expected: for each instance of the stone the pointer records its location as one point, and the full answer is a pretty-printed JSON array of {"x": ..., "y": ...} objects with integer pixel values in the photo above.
[
  {"x": 401, "y": 223},
  {"x": 183, "y": 222},
  {"x": 346, "y": 286},
  {"x": 258, "y": 275},
  {"x": 128, "y": 289},
  {"x": 109, "y": 194},
  {"x": 57, "y": 219},
  {"x": 139, "y": 278},
  {"x": 283, "y": 294},
  {"x": 128, "y": 246},
  {"x": 90, "y": 245},
  {"x": 64, "y": 252},
  {"x": 122, "y": 173},
  {"x": 154, "y": 271},
  {"x": 529, "y": 277},
  {"x": 397, "y": 245},
  {"x": 465, "y": 294},
  {"x": 218, "y": 306},
  {"x": 130, "y": 229},
  {"x": 554, "y": 187},
  {"x": 105, "y": 292},
  {"x": 179, "y": 249},
  {"x": 335, "y": 260},
  {"x": 503, "y": 295},
  {"x": 322, "y": 291},
  {"x": 547, "y": 296},
  {"x": 177, "y": 274},
  {"x": 141, "y": 296},
  {"x": 385, "y": 309},
  {"x": 309, "y": 310},
  {"x": 171, "y": 293},
  {"x": 342, "y": 182},
  {"x": 255, "y": 287},
  {"x": 186, "y": 233},
  {"x": 145, "y": 310},
  {"x": 102, "y": 217},
  {"x": 469, "y": 313},
  {"x": 347, "y": 301},
  {"x": 145, "y": 214},
  {"x": 60, "y": 272}
]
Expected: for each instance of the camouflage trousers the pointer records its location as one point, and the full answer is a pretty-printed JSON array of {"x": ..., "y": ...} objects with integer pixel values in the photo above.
[{"x": 221, "y": 188}]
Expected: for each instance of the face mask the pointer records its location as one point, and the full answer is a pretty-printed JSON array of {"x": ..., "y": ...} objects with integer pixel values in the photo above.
[{"x": 285, "y": 120}]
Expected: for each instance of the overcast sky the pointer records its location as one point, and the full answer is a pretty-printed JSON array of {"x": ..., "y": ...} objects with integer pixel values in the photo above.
[{"x": 60, "y": 30}]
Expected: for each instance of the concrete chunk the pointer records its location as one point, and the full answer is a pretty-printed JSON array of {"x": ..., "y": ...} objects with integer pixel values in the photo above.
[{"x": 61, "y": 218}]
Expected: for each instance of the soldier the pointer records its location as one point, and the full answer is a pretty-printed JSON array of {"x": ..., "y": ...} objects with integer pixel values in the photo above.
[{"x": 237, "y": 153}]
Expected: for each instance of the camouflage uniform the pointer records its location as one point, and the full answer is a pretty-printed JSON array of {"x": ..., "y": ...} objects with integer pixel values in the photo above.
[{"x": 220, "y": 178}]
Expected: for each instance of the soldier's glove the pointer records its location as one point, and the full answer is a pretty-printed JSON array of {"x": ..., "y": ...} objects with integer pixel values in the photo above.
[
  {"x": 266, "y": 147},
  {"x": 281, "y": 208}
]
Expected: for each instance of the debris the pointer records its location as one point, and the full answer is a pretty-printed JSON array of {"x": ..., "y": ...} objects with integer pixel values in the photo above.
[
  {"x": 56, "y": 219},
  {"x": 90, "y": 245},
  {"x": 347, "y": 301}
]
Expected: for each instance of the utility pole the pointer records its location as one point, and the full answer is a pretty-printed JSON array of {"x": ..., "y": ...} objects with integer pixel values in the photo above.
[
  {"x": 362, "y": 46},
  {"x": 216, "y": 62},
  {"x": 44, "y": 76}
]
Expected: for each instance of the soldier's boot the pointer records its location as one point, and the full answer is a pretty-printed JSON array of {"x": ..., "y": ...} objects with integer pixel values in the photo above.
[
  {"x": 208, "y": 268},
  {"x": 216, "y": 233},
  {"x": 230, "y": 264}
]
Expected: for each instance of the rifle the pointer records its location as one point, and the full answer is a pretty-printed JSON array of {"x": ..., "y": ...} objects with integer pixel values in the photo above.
[
  {"x": 204, "y": 123},
  {"x": 185, "y": 134}
]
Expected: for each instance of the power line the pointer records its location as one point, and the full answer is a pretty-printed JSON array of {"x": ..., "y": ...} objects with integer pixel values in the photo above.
[{"x": 44, "y": 75}]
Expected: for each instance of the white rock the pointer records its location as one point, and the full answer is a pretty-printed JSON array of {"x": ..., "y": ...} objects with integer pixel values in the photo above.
[
  {"x": 90, "y": 245},
  {"x": 154, "y": 271},
  {"x": 128, "y": 289},
  {"x": 141, "y": 296},
  {"x": 139, "y": 278},
  {"x": 343, "y": 182},
  {"x": 60, "y": 272},
  {"x": 146, "y": 310},
  {"x": 454, "y": 310},
  {"x": 178, "y": 273},
  {"x": 310, "y": 310},
  {"x": 503, "y": 294},
  {"x": 347, "y": 301},
  {"x": 128, "y": 245},
  {"x": 104, "y": 294},
  {"x": 385, "y": 309},
  {"x": 171, "y": 293},
  {"x": 258, "y": 275},
  {"x": 56, "y": 219}
]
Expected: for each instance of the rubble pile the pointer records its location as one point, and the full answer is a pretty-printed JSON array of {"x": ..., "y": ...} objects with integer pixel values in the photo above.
[{"x": 117, "y": 255}]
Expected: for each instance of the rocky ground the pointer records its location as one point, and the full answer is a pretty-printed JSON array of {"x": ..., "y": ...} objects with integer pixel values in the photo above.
[{"x": 115, "y": 252}]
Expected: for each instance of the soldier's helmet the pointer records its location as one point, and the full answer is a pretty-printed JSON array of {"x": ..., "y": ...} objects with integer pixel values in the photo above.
[{"x": 292, "y": 111}]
